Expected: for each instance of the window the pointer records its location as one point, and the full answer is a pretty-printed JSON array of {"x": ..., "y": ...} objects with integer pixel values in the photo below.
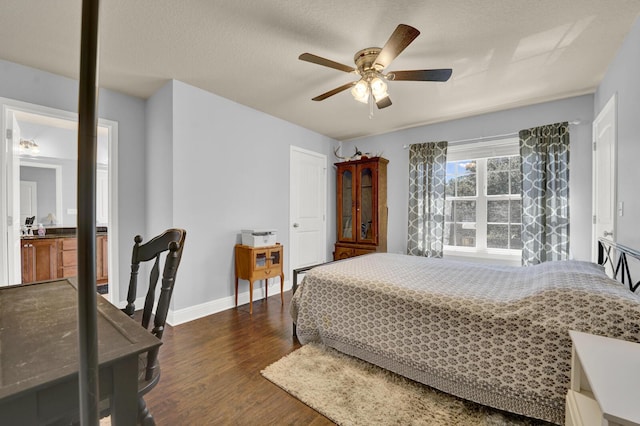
[
  {"x": 504, "y": 202},
  {"x": 460, "y": 213},
  {"x": 483, "y": 206}
]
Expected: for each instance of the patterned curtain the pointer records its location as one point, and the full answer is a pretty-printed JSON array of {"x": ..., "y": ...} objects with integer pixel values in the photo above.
[
  {"x": 427, "y": 172},
  {"x": 544, "y": 154}
]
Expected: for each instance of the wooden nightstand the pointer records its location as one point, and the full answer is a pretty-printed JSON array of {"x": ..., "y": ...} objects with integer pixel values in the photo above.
[
  {"x": 259, "y": 263},
  {"x": 605, "y": 379}
]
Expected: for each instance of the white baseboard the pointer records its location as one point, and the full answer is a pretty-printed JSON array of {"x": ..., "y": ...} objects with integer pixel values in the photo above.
[{"x": 180, "y": 316}]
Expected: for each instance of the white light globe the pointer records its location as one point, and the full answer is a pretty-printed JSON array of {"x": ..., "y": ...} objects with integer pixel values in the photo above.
[
  {"x": 378, "y": 88},
  {"x": 360, "y": 91}
]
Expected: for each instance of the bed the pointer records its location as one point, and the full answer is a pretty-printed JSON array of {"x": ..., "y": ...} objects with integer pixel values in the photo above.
[{"x": 496, "y": 335}]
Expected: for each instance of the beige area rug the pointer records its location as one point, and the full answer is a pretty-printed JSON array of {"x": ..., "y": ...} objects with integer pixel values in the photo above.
[{"x": 350, "y": 391}]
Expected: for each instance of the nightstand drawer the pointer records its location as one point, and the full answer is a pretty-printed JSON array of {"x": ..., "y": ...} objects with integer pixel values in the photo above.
[
  {"x": 262, "y": 274},
  {"x": 581, "y": 410},
  {"x": 604, "y": 381}
]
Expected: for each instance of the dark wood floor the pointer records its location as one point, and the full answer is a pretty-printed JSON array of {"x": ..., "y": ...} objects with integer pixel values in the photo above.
[{"x": 211, "y": 370}]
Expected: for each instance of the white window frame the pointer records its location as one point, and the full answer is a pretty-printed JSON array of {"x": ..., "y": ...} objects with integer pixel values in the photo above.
[{"x": 480, "y": 151}]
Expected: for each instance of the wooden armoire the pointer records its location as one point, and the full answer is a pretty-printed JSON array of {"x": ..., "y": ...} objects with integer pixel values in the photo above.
[{"x": 361, "y": 207}]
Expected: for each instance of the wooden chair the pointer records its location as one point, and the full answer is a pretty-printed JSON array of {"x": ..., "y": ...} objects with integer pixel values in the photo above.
[{"x": 171, "y": 241}]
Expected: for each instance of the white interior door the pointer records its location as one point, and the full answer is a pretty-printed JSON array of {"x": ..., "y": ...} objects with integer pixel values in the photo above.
[
  {"x": 604, "y": 175},
  {"x": 308, "y": 210},
  {"x": 28, "y": 200}
]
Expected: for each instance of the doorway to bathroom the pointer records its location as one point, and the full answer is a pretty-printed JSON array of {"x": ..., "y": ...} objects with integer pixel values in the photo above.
[{"x": 40, "y": 185}]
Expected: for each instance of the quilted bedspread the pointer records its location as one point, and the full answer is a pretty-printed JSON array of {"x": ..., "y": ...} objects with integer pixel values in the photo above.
[{"x": 496, "y": 335}]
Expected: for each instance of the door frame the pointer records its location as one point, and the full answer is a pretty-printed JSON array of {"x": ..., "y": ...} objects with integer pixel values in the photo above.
[
  {"x": 323, "y": 243},
  {"x": 9, "y": 107},
  {"x": 610, "y": 106}
]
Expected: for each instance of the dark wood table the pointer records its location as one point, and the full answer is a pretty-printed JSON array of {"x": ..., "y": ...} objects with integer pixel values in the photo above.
[{"x": 39, "y": 355}]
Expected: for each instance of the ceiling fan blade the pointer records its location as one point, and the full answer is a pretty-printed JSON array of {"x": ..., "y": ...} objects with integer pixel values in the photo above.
[
  {"x": 399, "y": 40},
  {"x": 384, "y": 102},
  {"x": 325, "y": 62},
  {"x": 422, "y": 75},
  {"x": 333, "y": 92}
]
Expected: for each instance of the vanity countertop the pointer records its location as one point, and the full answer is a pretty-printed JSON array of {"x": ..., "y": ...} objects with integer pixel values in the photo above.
[{"x": 60, "y": 233}]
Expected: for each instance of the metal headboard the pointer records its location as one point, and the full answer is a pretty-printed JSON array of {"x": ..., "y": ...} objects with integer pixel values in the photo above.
[{"x": 616, "y": 256}]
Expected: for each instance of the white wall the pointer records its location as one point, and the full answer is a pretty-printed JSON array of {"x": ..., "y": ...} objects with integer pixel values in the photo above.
[
  {"x": 497, "y": 123},
  {"x": 42, "y": 88},
  {"x": 230, "y": 167},
  {"x": 622, "y": 78}
]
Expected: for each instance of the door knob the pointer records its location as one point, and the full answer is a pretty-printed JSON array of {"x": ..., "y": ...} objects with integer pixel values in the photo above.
[
  {"x": 608, "y": 234},
  {"x": 296, "y": 225}
]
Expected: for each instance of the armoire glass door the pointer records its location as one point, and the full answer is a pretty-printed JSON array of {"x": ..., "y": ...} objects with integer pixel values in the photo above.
[
  {"x": 347, "y": 205},
  {"x": 366, "y": 208}
]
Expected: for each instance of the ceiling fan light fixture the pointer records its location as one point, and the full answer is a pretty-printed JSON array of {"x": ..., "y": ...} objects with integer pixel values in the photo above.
[
  {"x": 360, "y": 91},
  {"x": 378, "y": 88},
  {"x": 371, "y": 66},
  {"x": 29, "y": 147}
]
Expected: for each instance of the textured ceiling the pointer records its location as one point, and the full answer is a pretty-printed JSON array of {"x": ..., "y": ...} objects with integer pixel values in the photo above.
[{"x": 504, "y": 53}]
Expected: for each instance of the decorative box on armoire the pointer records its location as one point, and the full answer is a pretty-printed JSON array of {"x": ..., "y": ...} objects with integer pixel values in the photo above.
[{"x": 361, "y": 207}]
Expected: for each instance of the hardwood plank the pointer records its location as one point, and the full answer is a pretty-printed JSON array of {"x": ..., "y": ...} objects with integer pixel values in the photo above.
[{"x": 210, "y": 370}]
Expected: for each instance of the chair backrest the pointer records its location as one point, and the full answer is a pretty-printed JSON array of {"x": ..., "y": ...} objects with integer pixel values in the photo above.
[{"x": 172, "y": 242}]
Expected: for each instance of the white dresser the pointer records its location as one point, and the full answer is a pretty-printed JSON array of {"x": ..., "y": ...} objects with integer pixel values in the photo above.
[{"x": 605, "y": 382}]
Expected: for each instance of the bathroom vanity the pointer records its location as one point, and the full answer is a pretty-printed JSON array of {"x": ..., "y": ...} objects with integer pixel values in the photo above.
[{"x": 55, "y": 255}]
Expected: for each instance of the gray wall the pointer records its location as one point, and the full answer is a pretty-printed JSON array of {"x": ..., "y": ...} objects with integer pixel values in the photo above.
[
  {"x": 159, "y": 161},
  {"x": 42, "y": 88},
  {"x": 622, "y": 78},
  {"x": 497, "y": 123},
  {"x": 230, "y": 168}
]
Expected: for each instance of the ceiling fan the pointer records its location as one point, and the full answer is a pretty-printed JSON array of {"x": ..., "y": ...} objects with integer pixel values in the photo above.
[{"x": 370, "y": 65}]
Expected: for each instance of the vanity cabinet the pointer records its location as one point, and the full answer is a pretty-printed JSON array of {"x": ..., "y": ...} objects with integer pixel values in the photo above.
[
  {"x": 50, "y": 258},
  {"x": 102, "y": 259},
  {"x": 68, "y": 257},
  {"x": 39, "y": 260},
  {"x": 361, "y": 207}
]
